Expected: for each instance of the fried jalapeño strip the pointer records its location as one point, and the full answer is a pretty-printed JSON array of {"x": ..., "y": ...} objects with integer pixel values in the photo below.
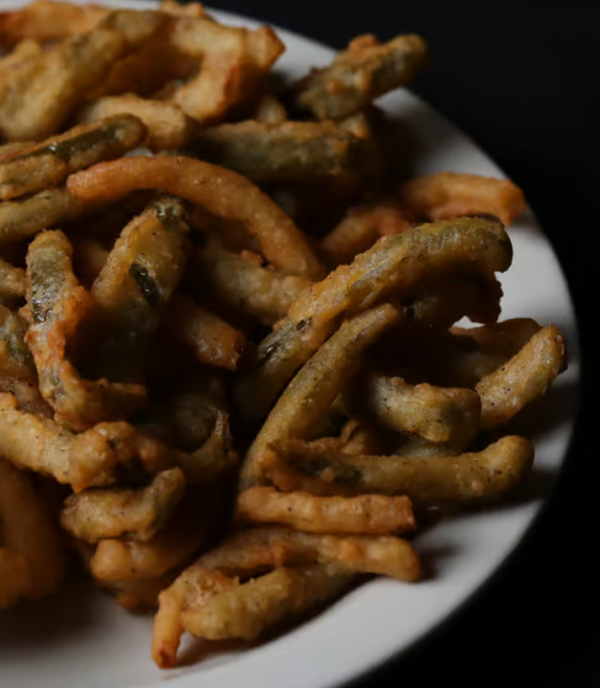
[
  {"x": 358, "y": 75},
  {"x": 136, "y": 283},
  {"x": 41, "y": 92},
  {"x": 289, "y": 151},
  {"x": 24, "y": 217},
  {"x": 12, "y": 283},
  {"x": 53, "y": 160},
  {"x": 18, "y": 374},
  {"x": 428, "y": 481},
  {"x": 315, "y": 387},
  {"x": 222, "y": 192},
  {"x": 241, "y": 282},
  {"x": 395, "y": 267},
  {"x": 32, "y": 562},
  {"x": 101, "y": 513},
  {"x": 58, "y": 311}
]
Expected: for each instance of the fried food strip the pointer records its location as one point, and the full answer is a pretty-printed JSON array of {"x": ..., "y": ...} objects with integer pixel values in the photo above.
[
  {"x": 361, "y": 515},
  {"x": 442, "y": 481},
  {"x": 477, "y": 298},
  {"x": 222, "y": 192},
  {"x": 448, "y": 194},
  {"x": 235, "y": 62},
  {"x": 284, "y": 152},
  {"x": 190, "y": 9},
  {"x": 359, "y": 75},
  {"x": 30, "y": 548},
  {"x": 464, "y": 356},
  {"x": 12, "y": 150},
  {"x": 249, "y": 551},
  {"x": 269, "y": 110},
  {"x": 315, "y": 387},
  {"x": 18, "y": 374},
  {"x": 215, "y": 458},
  {"x": 39, "y": 444},
  {"x": 358, "y": 437},
  {"x": 396, "y": 266},
  {"x": 12, "y": 283},
  {"x": 136, "y": 283},
  {"x": 53, "y": 160},
  {"x": 523, "y": 379},
  {"x": 116, "y": 560},
  {"x": 40, "y": 93},
  {"x": 32, "y": 441},
  {"x": 191, "y": 588},
  {"x": 167, "y": 126},
  {"x": 95, "y": 453},
  {"x": 439, "y": 414},
  {"x": 361, "y": 227},
  {"x": 27, "y": 216},
  {"x": 58, "y": 308},
  {"x": 187, "y": 531},
  {"x": 250, "y": 609},
  {"x": 213, "y": 340},
  {"x": 49, "y": 20},
  {"x": 240, "y": 281},
  {"x": 98, "y": 514}
]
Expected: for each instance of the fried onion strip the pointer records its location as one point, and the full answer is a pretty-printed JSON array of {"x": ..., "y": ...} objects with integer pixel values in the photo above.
[
  {"x": 222, "y": 192},
  {"x": 362, "y": 515}
]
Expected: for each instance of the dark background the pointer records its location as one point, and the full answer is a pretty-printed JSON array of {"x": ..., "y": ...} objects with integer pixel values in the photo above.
[{"x": 521, "y": 78}]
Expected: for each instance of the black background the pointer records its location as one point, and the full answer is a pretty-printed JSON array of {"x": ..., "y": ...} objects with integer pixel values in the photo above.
[{"x": 521, "y": 78}]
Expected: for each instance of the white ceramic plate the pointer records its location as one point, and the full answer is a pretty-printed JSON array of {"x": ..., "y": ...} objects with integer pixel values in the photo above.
[{"x": 82, "y": 638}]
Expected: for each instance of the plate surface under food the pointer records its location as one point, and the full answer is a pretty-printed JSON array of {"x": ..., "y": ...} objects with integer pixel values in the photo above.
[{"x": 82, "y": 638}]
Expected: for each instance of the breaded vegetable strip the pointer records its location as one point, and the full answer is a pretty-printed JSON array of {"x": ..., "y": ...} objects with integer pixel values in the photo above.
[
  {"x": 57, "y": 311},
  {"x": 39, "y": 444},
  {"x": 53, "y": 160},
  {"x": 523, "y": 379},
  {"x": 40, "y": 93},
  {"x": 12, "y": 282},
  {"x": 222, "y": 192},
  {"x": 34, "y": 442},
  {"x": 361, "y": 515},
  {"x": 18, "y": 374},
  {"x": 31, "y": 558},
  {"x": 440, "y": 414},
  {"x": 456, "y": 481},
  {"x": 269, "y": 110},
  {"x": 116, "y": 560},
  {"x": 448, "y": 194},
  {"x": 187, "y": 531},
  {"x": 49, "y": 20},
  {"x": 213, "y": 340},
  {"x": 214, "y": 458},
  {"x": 360, "y": 229},
  {"x": 366, "y": 70},
  {"x": 137, "y": 281},
  {"x": 461, "y": 358},
  {"x": 98, "y": 514},
  {"x": 315, "y": 387},
  {"x": 235, "y": 62},
  {"x": 248, "y": 551},
  {"x": 477, "y": 298},
  {"x": 167, "y": 126},
  {"x": 191, "y": 589},
  {"x": 242, "y": 283},
  {"x": 27, "y": 216},
  {"x": 396, "y": 265},
  {"x": 289, "y": 151},
  {"x": 250, "y": 609}
]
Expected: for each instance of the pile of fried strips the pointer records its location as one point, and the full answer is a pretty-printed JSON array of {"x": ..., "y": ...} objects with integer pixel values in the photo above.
[{"x": 228, "y": 413}]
